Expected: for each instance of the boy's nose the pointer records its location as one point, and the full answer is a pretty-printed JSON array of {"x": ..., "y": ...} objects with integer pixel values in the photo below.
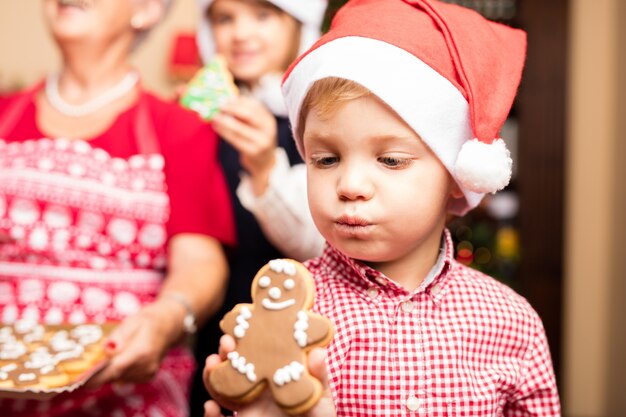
[
  {"x": 354, "y": 183},
  {"x": 243, "y": 28}
]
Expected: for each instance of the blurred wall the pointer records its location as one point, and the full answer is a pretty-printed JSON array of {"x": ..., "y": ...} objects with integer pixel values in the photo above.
[
  {"x": 595, "y": 282},
  {"x": 27, "y": 53}
]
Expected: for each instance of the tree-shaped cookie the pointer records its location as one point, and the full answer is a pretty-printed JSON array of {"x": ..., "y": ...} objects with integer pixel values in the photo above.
[{"x": 273, "y": 335}]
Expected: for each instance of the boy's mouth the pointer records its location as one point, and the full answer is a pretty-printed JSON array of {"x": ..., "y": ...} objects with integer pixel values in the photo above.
[
  {"x": 353, "y": 227},
  {"x": 352, "y": 221}
]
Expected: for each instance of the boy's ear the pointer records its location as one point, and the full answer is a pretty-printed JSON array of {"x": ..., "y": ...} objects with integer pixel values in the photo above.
[
  {"x": 455, "y": 195},
  {"x": 147, "y": 14},
  {"x": 455, "y": 190}
]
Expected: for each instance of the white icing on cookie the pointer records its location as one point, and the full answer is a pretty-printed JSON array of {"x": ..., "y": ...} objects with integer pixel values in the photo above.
[
  {"x": 283, "y": 266},
  {"x": 288, "y": 373},
  {"x": 270, "y": 305},
  {"x": 27, "y": 377},
  {"x": 300, "y": 327},
  {"x": 242, "y": 322},
  {"x": 12, "y": 350},
  {"x": 242, "y": 366},
  {"x": 265, "y": 281},
  {"x": 87, "y": 334}
]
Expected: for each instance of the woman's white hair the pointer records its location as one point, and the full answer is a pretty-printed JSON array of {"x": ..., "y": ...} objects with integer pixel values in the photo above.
[{"x": 141, "y": 36}]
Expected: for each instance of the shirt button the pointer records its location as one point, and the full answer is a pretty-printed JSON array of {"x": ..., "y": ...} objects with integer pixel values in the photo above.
[
  {"x": 435, "y": 290},
  {"x": 372, "y": 292},
  {"x": 407, "y": 306},
  {"x": 412, "y": 403}
]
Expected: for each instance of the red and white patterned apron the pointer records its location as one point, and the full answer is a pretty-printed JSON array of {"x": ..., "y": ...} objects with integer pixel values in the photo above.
[{"x": 85, "y": 241}]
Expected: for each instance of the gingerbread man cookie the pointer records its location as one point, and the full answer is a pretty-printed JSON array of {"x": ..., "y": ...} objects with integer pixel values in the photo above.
[{"x": 273, "y": 335}]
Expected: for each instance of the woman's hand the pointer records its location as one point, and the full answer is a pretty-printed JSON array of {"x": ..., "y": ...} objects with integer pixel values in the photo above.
[
  {"x": 265, "y": 406},
  {"x": 139, "y": 343},
  {"x": 250, "y": 128}
]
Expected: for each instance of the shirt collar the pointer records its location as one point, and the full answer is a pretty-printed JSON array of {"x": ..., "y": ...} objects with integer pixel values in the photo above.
[{"x": 364, "y": 276}]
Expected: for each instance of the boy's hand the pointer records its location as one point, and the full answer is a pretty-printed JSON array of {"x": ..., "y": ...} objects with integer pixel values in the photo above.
[
  {"x": 249, "y": 127},
  {"x": 264, "y": 406}
]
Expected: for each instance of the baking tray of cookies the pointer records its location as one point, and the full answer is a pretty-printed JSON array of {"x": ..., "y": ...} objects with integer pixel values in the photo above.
[{"x": 39, "y": 361}]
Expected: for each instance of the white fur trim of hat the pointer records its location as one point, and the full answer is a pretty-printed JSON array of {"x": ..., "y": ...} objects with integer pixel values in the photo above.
[{"x": 448, "y": 72}]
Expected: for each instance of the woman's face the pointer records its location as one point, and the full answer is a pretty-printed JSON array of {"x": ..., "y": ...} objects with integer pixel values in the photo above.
[
  {"x": 255, "y": 37},
  {"x": 98, "y": 21}
]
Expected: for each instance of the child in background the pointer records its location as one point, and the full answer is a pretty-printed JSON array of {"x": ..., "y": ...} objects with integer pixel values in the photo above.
[
  {"x": 396, "y": 111},
  {"x": 267, "y": 179}
]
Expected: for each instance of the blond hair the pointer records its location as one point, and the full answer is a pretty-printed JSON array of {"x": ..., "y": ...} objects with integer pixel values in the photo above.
[{"x": 326, "y": 95}]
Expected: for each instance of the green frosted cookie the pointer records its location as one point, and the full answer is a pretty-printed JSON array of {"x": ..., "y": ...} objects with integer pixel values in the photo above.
[{"x": 209, "y": 89}]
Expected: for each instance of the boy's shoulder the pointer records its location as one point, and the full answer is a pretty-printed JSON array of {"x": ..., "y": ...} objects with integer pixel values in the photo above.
[
  {"x": 476, "y": 291},
  {"x": 462, "y": 291}
]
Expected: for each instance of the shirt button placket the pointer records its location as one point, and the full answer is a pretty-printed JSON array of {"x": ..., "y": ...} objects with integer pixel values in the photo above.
[
  {"x": 373, "y": 292},
  {"x": 413, "y": 403}
]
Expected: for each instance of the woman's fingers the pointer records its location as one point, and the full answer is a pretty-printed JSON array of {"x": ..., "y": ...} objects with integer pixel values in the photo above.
[{"x": 136, "y": 347}]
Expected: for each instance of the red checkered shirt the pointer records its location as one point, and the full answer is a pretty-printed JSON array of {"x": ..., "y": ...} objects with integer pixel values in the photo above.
[{"x": 462, "y": 344}]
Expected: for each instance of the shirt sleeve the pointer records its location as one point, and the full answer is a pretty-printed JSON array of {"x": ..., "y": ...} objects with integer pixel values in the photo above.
[
  {"x": 283, "y": 211},
  {"x": 536, "y": 394},
  {"x": 199, "y": 198}
]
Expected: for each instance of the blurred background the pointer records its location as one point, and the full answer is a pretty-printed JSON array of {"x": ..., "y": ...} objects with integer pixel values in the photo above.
[{"x": 557, "y": 234}]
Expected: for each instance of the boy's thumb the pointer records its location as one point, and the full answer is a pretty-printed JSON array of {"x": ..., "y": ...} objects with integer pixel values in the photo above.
[{"x": 317, "y": 365}]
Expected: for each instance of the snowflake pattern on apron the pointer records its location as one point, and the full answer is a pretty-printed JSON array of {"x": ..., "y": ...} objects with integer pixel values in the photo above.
[{"x": 84, "y": 240}]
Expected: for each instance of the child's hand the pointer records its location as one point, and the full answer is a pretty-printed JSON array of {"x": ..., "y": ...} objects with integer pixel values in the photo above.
[
  {"x": 264, "y": 406},
  {"x": 250, "y": 128}
]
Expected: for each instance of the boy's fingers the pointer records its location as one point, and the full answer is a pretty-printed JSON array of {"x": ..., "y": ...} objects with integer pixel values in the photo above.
[
  {"x": 212, "y": 409},
  {"x": 317, "y": 364},
  {"x": 211, "y": 363},
  {"x": 227, "y": 345}
]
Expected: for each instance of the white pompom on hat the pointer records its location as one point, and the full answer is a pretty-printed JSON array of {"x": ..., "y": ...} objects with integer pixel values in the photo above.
[
  {"x": 449, "y": 73},
  {"x": 308, "y": 12}
]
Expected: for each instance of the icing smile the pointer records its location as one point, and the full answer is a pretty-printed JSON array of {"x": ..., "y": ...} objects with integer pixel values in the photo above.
[{"x": 270, "y": 305}]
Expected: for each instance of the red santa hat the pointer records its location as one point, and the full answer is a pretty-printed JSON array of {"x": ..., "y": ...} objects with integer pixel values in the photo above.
[{"x": 448, "y": 72}]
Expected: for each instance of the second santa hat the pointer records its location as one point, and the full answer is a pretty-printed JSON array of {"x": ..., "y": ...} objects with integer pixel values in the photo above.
[{"x": 448, "y": 72}]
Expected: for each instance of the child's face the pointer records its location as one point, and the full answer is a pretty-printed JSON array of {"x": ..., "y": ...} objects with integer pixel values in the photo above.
[
  {"x": 376, "y": 191},
  {"x": 255, "y": 38}
]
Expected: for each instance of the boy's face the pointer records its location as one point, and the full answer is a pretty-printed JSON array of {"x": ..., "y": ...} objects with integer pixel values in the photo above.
[
  {"x": 254, "y": 37},
  {"x": 376, "y": 191}
]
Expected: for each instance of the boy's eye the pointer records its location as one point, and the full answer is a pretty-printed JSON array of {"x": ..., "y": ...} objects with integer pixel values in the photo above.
[
  {"x": 324, "y": 161},
  {"x": 394, "y": 162},
  {"x": 221, "y": 19},
  {"x": 263, "y": 14}
]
